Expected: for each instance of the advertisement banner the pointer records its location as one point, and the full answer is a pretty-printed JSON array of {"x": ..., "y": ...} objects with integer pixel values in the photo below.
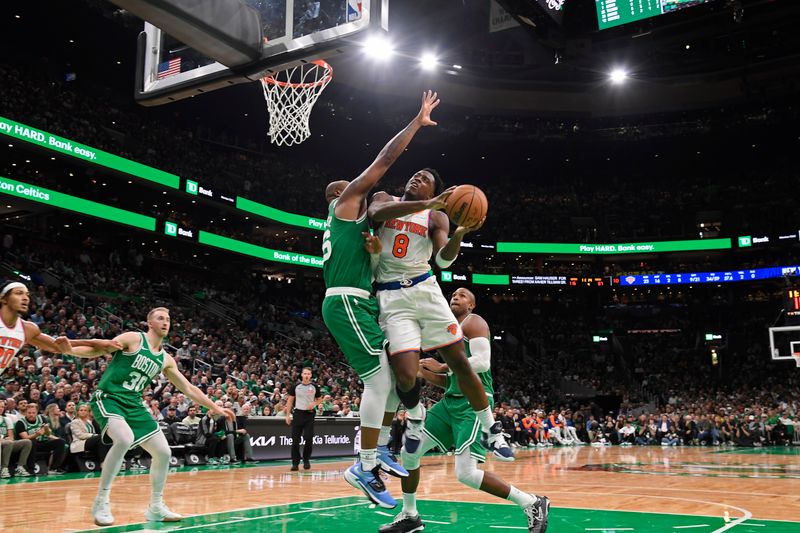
[
  {"x": 232, "y": 245},
  {"x": 22, "y": 132},
  {"x": 499, "y": 18},
  {"x": 271, "y": 437},
  {"x": 612, "y": 249}
]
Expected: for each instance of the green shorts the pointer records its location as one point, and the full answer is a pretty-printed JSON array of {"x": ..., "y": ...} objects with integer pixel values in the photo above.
[
  {"x": 452, "y": 423},
  {"x": 353, "y": 322},
  {"x": 136, "y": 416}
]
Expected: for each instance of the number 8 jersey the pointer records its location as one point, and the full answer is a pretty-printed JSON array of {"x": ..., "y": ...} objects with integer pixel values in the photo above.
[
  {"x": 129, "y": 373},
  {"x": 407, "y": 247}
]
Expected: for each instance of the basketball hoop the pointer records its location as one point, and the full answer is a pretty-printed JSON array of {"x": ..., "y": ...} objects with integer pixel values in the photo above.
[
  {"x": 796, "y": 357},
  {"x": 290, "y": 95}
]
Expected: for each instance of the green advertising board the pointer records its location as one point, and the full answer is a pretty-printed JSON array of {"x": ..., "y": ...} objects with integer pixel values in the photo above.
[
  {"x": 60, "y": 200},
  {"x": 232, "y": 245},
  {"x": 612, "y": 249},
  {"x": 22, "y": 132},
  {"x": 277, "y": 215}
]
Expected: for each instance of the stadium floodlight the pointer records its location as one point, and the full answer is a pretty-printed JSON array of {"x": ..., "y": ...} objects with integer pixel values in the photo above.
[
  {"x": 428, "y": 61},
  {"x": 618, "y": 75},
  {"x": 378, "y": 47}
]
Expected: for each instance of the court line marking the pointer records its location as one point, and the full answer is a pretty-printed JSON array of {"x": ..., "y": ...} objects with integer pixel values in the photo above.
[
  {"x": 384, "y": 514},
  {"x": 447, "y": 523},
  {"x": 508, "y": 527},
  {"x": 608, "y": 529},
  {"x": 689, "y": 527},
  {"x": 270, "y": 517}
]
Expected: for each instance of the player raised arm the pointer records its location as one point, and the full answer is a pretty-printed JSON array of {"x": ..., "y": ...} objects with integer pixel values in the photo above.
[
  {"x": 350, "y": 202},
  {"x": 91, "y": 348},
  {"x": 34, "y": 336},
  {"x": 172, "y": 373},
  {"x": 446, "y": 250}
]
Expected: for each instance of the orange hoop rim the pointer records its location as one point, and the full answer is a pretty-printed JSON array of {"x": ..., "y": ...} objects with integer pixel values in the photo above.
[{"x": 318, "y": 62}]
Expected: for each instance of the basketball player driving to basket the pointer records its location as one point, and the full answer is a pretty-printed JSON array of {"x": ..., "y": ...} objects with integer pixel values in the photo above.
[{"x": 414, "y": 314}]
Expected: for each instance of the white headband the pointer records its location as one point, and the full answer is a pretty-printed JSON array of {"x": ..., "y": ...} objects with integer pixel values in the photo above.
[{"x": 11, "y": 286}]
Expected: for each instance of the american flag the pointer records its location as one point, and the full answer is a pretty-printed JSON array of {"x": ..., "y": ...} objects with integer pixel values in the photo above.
[{"x": 168, "y": 68}]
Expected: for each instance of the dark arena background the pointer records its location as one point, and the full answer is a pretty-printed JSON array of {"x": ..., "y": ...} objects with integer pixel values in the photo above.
[{"x": 637, "y": 267}]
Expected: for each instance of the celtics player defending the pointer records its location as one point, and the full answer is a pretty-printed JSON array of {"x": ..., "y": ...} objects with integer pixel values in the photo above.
[
  {"x": 117, "y": 407},
  {"x": 351, "y": 312},
  {"x": 414, "y": 314},
  {"x": 452, "y": 423}
]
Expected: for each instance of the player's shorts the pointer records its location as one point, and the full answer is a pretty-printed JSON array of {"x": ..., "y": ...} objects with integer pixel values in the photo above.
[
  {"x": 417, "y": 318},
  {"x": 105, "y": 407},
  {"x": 452, "y": 423},
  {"x": 351, "y": 315}
]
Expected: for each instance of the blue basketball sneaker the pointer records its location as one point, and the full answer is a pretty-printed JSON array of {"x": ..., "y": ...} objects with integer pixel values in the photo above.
[
  {"x": 388, "y": 462},
  {"x": 371, "y": 485},
  {"x": 495, "y": 442}
]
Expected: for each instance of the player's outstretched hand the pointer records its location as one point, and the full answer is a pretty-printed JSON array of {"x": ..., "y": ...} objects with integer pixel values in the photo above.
[
  {"x": 439, "y": 202},
  {"x": 433, "y": 365},
  {"x": 372, "y": 243},
  {"x": 63, "y": 344},
  {"x": 464, "y": 230},
  {"x": 430, "y": 100},
  {"x": 227, "y": 413}
]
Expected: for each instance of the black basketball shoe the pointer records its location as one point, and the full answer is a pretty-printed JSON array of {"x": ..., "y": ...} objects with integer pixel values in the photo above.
[
  {"x": 537, "y": 514},
  {"x": 403, "y": 523}
]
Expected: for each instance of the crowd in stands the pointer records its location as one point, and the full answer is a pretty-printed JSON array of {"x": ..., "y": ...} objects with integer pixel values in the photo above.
[{"x": 572, "y": 201}]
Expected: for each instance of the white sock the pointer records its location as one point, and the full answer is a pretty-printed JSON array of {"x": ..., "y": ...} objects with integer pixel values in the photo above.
[
  {"x": 368, "y": 459},
  {"x": 520, "y": 498},
  {"x": 104, "y": 495},
  {"x": 384, "y": 435},
  {"x": 416, "y": 412},
  {"x": 486, "y": 418},
  {"x": 410, "y": 503}
]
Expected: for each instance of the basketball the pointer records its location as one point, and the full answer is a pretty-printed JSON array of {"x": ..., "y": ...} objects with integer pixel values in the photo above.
[{"x": 467, "y": 206}]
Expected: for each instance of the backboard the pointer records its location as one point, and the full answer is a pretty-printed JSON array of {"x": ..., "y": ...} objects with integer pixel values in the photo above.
[
  {"x": 294, "y": 32},
  {"x": 784, "y": 343}
]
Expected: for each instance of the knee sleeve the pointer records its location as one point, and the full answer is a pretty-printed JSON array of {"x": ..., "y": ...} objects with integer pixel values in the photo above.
[
  {"x": 467, "y": 470},
  {"x": 376, "y": 389},
  {"x": 411, "y": 460},
  {"x": 157, "y": 446},
  {"x": 119, "y": 432}
]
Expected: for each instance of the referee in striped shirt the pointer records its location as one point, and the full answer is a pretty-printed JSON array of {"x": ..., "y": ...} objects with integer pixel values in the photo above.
[{"x": 305, "y": 397}]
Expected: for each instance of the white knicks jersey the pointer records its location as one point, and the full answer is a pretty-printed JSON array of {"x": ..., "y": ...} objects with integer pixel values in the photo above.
[
  {"x": 11, "y": 341},
  {"x": 407, "y": 247}
]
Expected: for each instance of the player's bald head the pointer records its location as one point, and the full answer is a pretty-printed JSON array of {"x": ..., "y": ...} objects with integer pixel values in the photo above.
[
  {"x": 335, "y": 189},
  {"x": 469, "y": 294}
]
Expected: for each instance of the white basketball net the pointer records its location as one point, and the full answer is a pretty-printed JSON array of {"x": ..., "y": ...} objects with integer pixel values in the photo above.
[{"x": 290, "y": 95}]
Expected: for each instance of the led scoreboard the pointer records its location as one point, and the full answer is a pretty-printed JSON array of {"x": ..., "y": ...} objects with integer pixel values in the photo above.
[{"x": 612, "y": 13}]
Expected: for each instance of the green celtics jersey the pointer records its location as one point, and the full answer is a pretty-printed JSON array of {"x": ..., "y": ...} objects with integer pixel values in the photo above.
[
  {"x": 454, "y": 391},
  {"x": 129, "y": 373},
  {"x": 32, "y": 427},
  {"x": 345, "y": 262}
]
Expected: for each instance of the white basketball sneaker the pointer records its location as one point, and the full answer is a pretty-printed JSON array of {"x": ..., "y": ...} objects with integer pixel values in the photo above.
[
  {"x": 159, "y": 512},
  {"x": 101, "y": 512}
]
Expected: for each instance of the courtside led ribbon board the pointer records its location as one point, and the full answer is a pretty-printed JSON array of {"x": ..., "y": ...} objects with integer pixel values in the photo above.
[
  {"x": 268, "y": 254},
  {"x": 611, "y": 249},
  {"x": 72, "y": 203},
  {"x": 86, "y": 153}
]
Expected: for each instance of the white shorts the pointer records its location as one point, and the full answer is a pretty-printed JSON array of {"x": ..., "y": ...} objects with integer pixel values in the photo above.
[{"x": 417, "y": 318}]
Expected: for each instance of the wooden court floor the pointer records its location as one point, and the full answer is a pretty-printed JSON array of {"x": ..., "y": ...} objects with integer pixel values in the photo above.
[{"x": 647, "y": 489}]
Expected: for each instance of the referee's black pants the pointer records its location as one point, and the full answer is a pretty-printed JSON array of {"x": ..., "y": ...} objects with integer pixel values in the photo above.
[{"x": 302, "y": 424}]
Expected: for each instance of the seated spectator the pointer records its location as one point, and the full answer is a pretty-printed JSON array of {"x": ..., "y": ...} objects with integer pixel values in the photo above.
[
  {"x": 34, "y": 427},
  {"x": 208, "y": 436},
  {"x": 172, "y": 415},
  {"x": 9, "y": 446},
  {"x": 236, "y": 436},
  {"x": 191, "y": 419},
  {"x": 84, "y": 435},
  {"x": 53, "y": 416}
]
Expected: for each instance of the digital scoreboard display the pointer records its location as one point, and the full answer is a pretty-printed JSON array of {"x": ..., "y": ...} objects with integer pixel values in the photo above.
[{"x": 612, "y": 13}]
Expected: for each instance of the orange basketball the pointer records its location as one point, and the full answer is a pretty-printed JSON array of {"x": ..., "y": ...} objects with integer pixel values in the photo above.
[{"x": 467, "y": 206}]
